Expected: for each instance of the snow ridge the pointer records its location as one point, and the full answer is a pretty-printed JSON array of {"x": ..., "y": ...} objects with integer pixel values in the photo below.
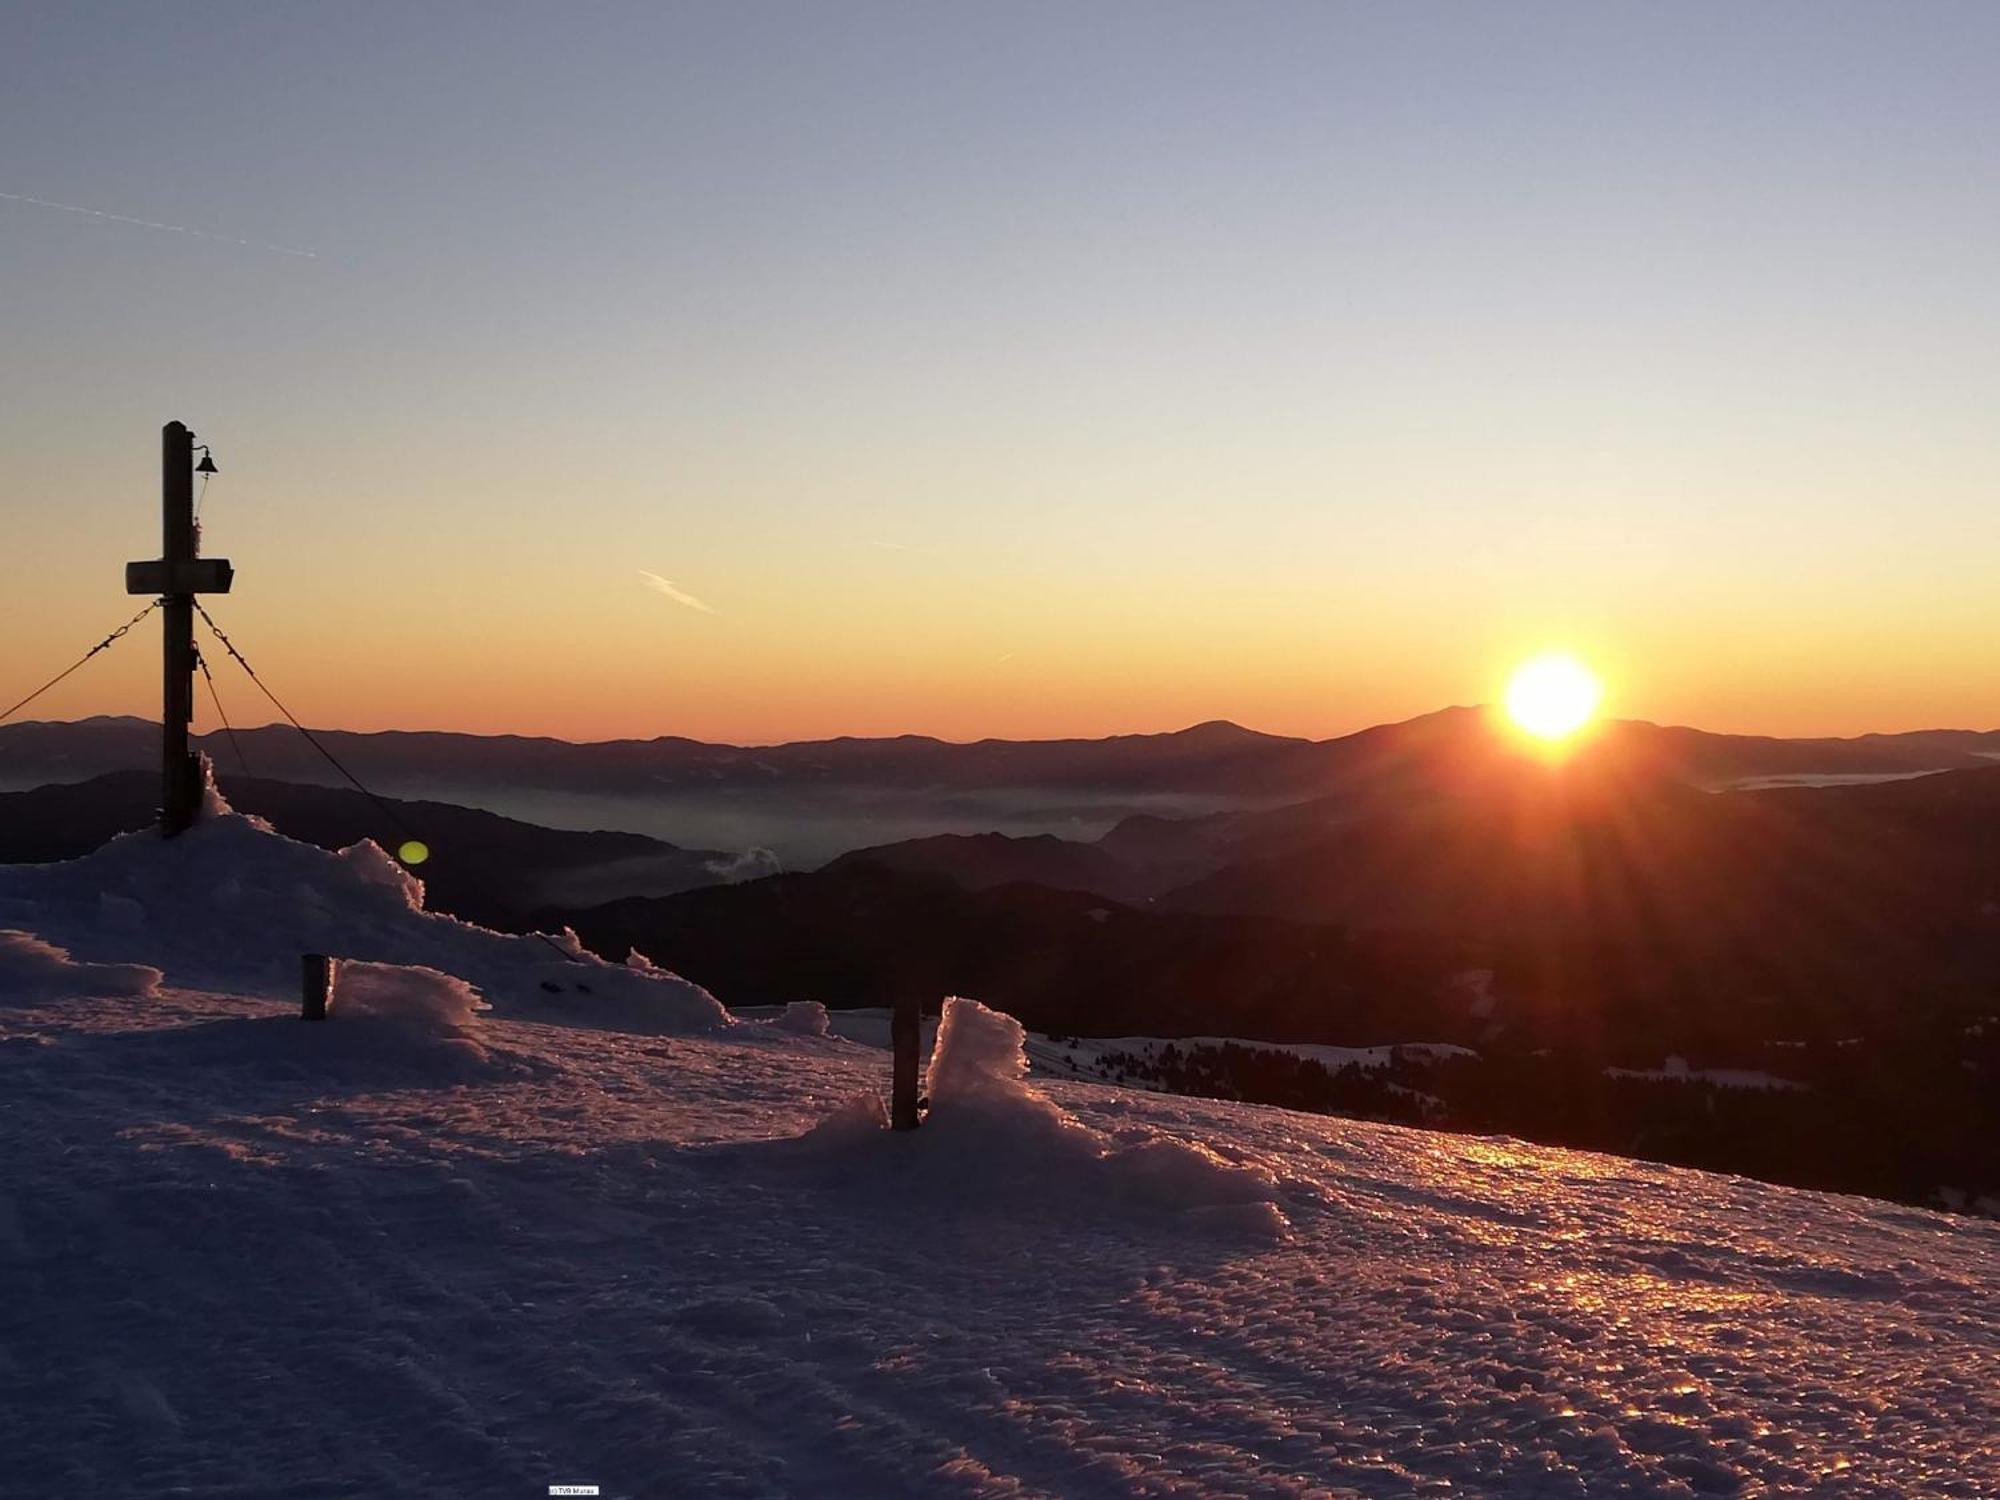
[
  {"x": 231, "y": 905},
  {"x": 31, "y": 969}
]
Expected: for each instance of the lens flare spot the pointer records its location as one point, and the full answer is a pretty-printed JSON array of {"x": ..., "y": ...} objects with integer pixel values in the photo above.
[{"x": 414, "y": 852}]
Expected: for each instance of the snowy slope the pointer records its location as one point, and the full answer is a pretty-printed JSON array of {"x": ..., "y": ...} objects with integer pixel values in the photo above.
[{"x": 430, "y": 1251}]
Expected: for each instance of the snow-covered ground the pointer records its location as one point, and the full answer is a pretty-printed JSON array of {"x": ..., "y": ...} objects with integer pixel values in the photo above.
[{"x": 428, "y": 1250}]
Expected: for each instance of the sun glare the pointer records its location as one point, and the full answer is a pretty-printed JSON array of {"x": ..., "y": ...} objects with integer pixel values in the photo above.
[{"x": 1553, "y": 695}]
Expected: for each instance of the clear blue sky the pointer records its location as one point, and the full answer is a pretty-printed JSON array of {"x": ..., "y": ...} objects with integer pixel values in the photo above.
[{"x": 1018, "y": 369}]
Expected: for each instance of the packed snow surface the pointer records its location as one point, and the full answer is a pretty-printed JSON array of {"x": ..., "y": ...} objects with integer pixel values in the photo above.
[
  {"x": 33, "y": 969},
  {"x": 241, "y": 1261},
  {"x": 611, "y": 1237}
]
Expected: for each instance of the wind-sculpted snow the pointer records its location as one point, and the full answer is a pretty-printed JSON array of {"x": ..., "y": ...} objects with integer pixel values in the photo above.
[
  {"x": 390, "y": 1019},
  {"x": 229, "y": 904},
  {"x": 31, "y": 969},
  {"x": 415, "y": 999},
  {"x": 230, "y": 1269},
  {"x": 993, "y": 1143},
  {"x": 804, "y": 1018}
]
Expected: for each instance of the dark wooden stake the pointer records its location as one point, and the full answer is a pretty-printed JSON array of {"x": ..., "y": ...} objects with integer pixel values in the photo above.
[
  {"x": 177, "y": 576},
  {"x": 317, "y": 987},
  {"x": 905, "y": 1029}
]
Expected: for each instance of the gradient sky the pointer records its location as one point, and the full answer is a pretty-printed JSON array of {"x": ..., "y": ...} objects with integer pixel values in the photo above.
[{"x": 1014, "y": 369}]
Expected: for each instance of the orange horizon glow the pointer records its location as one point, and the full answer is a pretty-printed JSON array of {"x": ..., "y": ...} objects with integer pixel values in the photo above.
[
  {"x": 898, "y": 644},
  {"x": 333, "y": 691}
]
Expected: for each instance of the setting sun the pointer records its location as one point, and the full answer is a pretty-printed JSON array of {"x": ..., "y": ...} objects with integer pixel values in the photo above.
[{"x": 1553, "y": 695}]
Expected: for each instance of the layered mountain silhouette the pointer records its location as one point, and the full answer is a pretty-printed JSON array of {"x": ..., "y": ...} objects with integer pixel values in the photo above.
[{"x": 1216, "y": 759}]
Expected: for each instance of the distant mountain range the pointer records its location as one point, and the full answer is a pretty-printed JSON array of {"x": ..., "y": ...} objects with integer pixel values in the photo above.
[
  {"x": 1416, "y": 788},
  {"x": 1216, "y": 759}
]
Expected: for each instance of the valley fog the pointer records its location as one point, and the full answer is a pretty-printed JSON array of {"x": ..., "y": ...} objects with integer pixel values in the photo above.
[{"x": 806, "y": 827}]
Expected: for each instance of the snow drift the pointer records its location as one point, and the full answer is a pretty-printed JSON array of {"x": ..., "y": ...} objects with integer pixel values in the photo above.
[
  {"x": 230, "y": 905},
  {"x": 804, "y": 1018},
  {"x": 31, "y": 969},
  {"x": 408, "y": 996},
  {"x": 991, "y": 1135},
  {"x": 411, "y": 1008}
]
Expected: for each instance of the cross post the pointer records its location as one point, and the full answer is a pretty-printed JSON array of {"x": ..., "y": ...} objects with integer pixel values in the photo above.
[{"x": 177, "y": 576}]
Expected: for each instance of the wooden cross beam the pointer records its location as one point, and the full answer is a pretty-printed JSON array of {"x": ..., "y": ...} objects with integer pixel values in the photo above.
[{"x": 177, "y": 576}]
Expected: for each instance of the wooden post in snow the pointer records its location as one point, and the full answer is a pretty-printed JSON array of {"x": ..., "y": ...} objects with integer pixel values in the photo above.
[
  {"x": 316, "y": 987},
  {"x": 905, "y": 1034}
]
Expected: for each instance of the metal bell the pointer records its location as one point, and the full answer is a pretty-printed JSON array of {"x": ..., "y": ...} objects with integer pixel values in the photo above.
[{"x": 207, "y": 464}]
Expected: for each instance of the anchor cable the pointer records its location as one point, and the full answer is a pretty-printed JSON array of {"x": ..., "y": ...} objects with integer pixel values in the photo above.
[
  {"x": 222, "y": 713},
  {"x": 101, "y": 645},
  {"x": 311, "y": 739},
  {"x": 387, "y": 811}
]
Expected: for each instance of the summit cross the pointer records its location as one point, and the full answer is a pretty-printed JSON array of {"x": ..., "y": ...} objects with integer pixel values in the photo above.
[{"x": 176, "y": 576}]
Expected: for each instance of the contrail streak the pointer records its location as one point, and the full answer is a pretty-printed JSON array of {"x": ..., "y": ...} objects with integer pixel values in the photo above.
[
  {"x": 200, "y": 234},
  {"x": 680, "y": 596}
]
